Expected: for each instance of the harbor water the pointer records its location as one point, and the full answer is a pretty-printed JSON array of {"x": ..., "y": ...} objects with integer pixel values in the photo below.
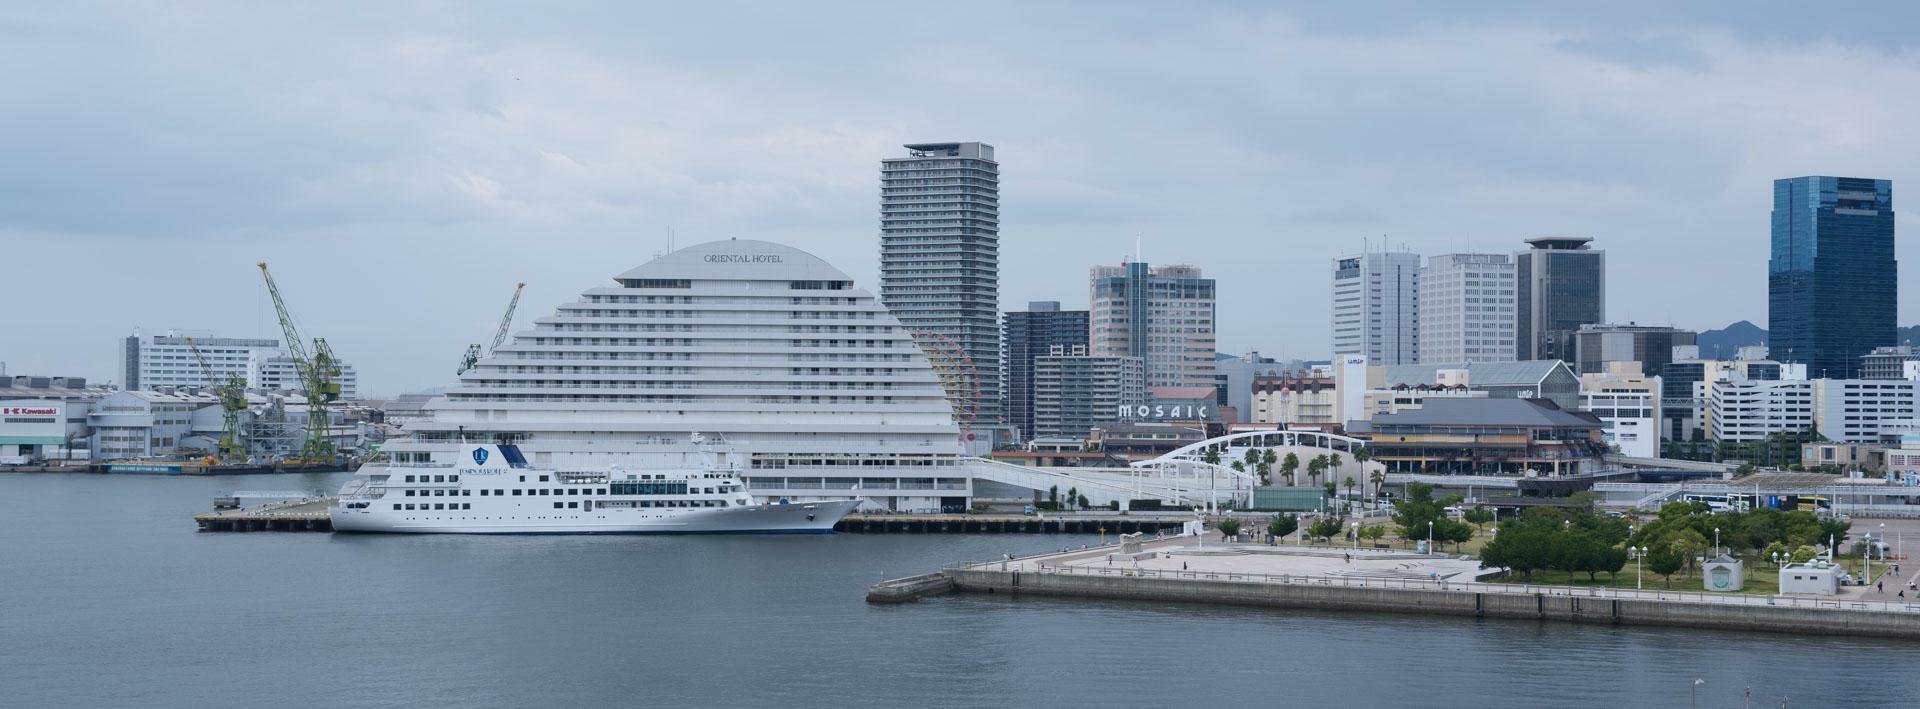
[{"x": 109, "y": 597}]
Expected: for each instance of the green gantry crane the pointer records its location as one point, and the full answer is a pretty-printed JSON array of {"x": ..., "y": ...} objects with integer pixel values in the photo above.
[
  {"x": 319, "y": 374},
  {"x": 506, "y": 323},
  {"x": 232, "y": 391}
]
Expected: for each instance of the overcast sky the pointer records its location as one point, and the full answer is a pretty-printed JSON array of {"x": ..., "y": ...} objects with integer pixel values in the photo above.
[{"x": 402, "y": 165}]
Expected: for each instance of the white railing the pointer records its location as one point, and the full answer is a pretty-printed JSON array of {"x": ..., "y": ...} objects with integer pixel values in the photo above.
[{"x": 1512, "y": 589}]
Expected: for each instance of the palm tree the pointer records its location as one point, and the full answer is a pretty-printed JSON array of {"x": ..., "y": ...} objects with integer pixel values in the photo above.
[
  {"x": 1333, "y": 464},
  {"x": 1288, "y": 466},
  {"x": 1073, "y": 496},
  {"x": 1350, "y": 484},
  {"x": 1212, "y": 456},
  {"x": 1360, "y": 457},
  {"x": 1378, "y": 477}
]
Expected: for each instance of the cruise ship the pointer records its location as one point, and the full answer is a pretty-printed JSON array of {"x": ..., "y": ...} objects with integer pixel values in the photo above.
[
  {"x": 495, "y": 491},
  {"x": 820, "y": 393}
]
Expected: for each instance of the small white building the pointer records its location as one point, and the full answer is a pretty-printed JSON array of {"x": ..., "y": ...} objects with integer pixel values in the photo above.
[
  {"x": 1723, "y": 573},
  {"x": 1814, "y": 577},
  {"x": 141, "y": 424}
]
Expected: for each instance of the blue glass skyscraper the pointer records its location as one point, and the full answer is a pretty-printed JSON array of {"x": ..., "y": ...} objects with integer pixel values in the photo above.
[{"x": 1832, "y": 282}]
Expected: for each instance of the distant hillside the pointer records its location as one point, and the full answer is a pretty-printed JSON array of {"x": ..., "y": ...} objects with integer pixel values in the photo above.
[{"x": 1724, "y": 342}]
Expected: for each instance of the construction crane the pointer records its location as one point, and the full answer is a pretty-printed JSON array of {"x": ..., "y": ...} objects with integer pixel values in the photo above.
[
  {"x": 319, "y": 373},
  {"x": 232, "y": 391},
  {"x": 506, "y": 323}
]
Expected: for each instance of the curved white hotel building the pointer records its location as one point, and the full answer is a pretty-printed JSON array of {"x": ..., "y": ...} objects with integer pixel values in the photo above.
[{"x": 765, "y": 347}]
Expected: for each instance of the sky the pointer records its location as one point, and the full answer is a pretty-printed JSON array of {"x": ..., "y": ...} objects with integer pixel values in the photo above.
[{"x": 402, "y": 165}]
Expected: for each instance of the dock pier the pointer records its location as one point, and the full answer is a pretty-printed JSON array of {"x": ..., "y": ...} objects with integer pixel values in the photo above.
[
  {"x": 307, "y": 514},
  {"x": 1348, "y": 579}
]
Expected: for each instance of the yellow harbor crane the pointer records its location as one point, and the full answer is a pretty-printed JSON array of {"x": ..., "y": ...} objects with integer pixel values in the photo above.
[
  {"x": 232, "y": 391},
  {"x": 506, "y": 323},
  {"x": 319, "y": 374}
]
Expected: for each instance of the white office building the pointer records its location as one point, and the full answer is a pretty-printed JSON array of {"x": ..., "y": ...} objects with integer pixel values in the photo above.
[
  {"x": 273, "y": 370},
  {"x": 763, "y": 349},
  {"x": 1466, "y": 311},
  {"x": 1628, "y": 405},
  {"x": 163, "y": 362},
  {"x": 1851, "y": 410},
  {"x": 143, "y": 424},
  {"x": 1376, "y": 307}
]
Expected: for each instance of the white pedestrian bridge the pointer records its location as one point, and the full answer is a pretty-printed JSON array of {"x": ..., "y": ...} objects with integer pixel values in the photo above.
[{"x": 1183, "y": 476}]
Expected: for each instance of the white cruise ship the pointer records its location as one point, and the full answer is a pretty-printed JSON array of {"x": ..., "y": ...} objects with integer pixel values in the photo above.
[
  {"x": 495, "y": 491},
  {"x": 817, "y": 388}
]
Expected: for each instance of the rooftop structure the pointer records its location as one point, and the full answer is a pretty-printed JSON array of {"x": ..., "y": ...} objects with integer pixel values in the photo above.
[{"x": 1487, "y": 437}]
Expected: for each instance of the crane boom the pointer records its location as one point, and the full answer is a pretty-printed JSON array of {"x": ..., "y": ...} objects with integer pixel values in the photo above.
[
  {"x": 233, "y": 399},
  {"x": 474, "y": 354},
  {"x": 316, "y": 368},
  {"x": 506, "y": 322}
]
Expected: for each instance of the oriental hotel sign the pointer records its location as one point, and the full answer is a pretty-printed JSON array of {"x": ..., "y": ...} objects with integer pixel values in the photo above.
[{"x": 742, "y": 258}]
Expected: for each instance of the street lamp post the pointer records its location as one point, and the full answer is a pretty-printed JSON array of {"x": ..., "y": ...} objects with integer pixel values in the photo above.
[
  {"x": 1429, "y": 536},
  {"x": 1716, "y": 542},
  {"x": 1639, "y": 564},
  {"x": 1356, "y": 537},
  {"x": 1696, "y": 691}
]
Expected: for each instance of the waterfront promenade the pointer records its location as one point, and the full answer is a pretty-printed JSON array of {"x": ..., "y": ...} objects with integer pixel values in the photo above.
[{"x": 1336, "y": 578}]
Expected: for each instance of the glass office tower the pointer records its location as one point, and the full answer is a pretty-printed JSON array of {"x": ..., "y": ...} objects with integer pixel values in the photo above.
[{"x": 1831, "y": 284}]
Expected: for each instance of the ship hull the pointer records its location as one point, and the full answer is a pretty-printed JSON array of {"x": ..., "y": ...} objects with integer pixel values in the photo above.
[{"x": 792, "y": 518}]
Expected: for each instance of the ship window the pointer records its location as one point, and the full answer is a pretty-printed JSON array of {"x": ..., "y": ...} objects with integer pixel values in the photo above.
[
  {"x": 409, "y": 493},
  {"x": 453, "y": 478},
  {"x": 557, "y": 505},
  {"x": 466, "y": 505},
  {"x": 439, "y": 506},
  {"x": 439, "y": 478},
  {"x": 409, "y": 506},
  {"x": 396, "y": 505},
  {"x": 723, "y": 503},
  {"x": 523, "y": 478},
  {"x": 466, "y": 493},
  {"x": 409, "y": 478},
  {"x": 543, "y": 478},
  {"x": 602, "y": 491},
  {"x": 483, "y": 492},
  {"x": 499, "y": 493},
  {"x": 439, "y": 493},
  {"x": 573, "y": 505}
]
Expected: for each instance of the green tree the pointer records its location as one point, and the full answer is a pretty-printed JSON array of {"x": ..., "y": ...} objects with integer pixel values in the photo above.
[
  {"x": 1666, "y": 562},
  {"x": 1288, "y": 466},
  {"x": 1333, "y": 465},
  {"x": 1283, "y": 525},
  {"x": 1228, "y": 527},
  {"x": 1083, "y": 502},
  {"x": 1688, "y": 543},
  {"x": 1775, "y": 551},
  {"x": 1360, "y": 458},
  {"x": 1477, "y": 517},
  {"x": 1212, "y": 456},
  {"x": 1521, "y": 547},
  {"x": 1073, "y": 495},
  {"x": 1315, "y": 467},
  {"x": 1053, "y": 496},
  {"x": 1326, "y": 527},
  {"x": 1379, "y": 479},
  {"x": 1373, "y": 532}
]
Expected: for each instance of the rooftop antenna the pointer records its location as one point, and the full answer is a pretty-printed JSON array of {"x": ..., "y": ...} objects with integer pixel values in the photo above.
[{"x": 1138, "y": 255}]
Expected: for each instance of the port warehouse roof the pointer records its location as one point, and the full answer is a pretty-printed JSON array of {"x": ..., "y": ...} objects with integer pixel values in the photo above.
[
  {"x": 1479, "y": 374},
  {"x": 1537, "y": 413},
  {"x": 27, "y": 387}
]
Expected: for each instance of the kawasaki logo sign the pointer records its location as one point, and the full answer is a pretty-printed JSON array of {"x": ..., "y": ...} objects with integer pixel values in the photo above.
[{"x": 25, "y": 411}]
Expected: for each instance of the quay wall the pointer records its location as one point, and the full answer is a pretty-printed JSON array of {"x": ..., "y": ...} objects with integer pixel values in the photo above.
[{"x": 1470, "y": 604}]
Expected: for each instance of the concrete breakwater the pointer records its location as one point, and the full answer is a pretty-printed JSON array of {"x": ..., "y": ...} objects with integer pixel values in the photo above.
[{"x": 1474, "y": 600}]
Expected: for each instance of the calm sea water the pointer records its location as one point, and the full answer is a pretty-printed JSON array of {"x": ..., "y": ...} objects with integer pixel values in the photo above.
[{"x": 108, "y": 597}]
